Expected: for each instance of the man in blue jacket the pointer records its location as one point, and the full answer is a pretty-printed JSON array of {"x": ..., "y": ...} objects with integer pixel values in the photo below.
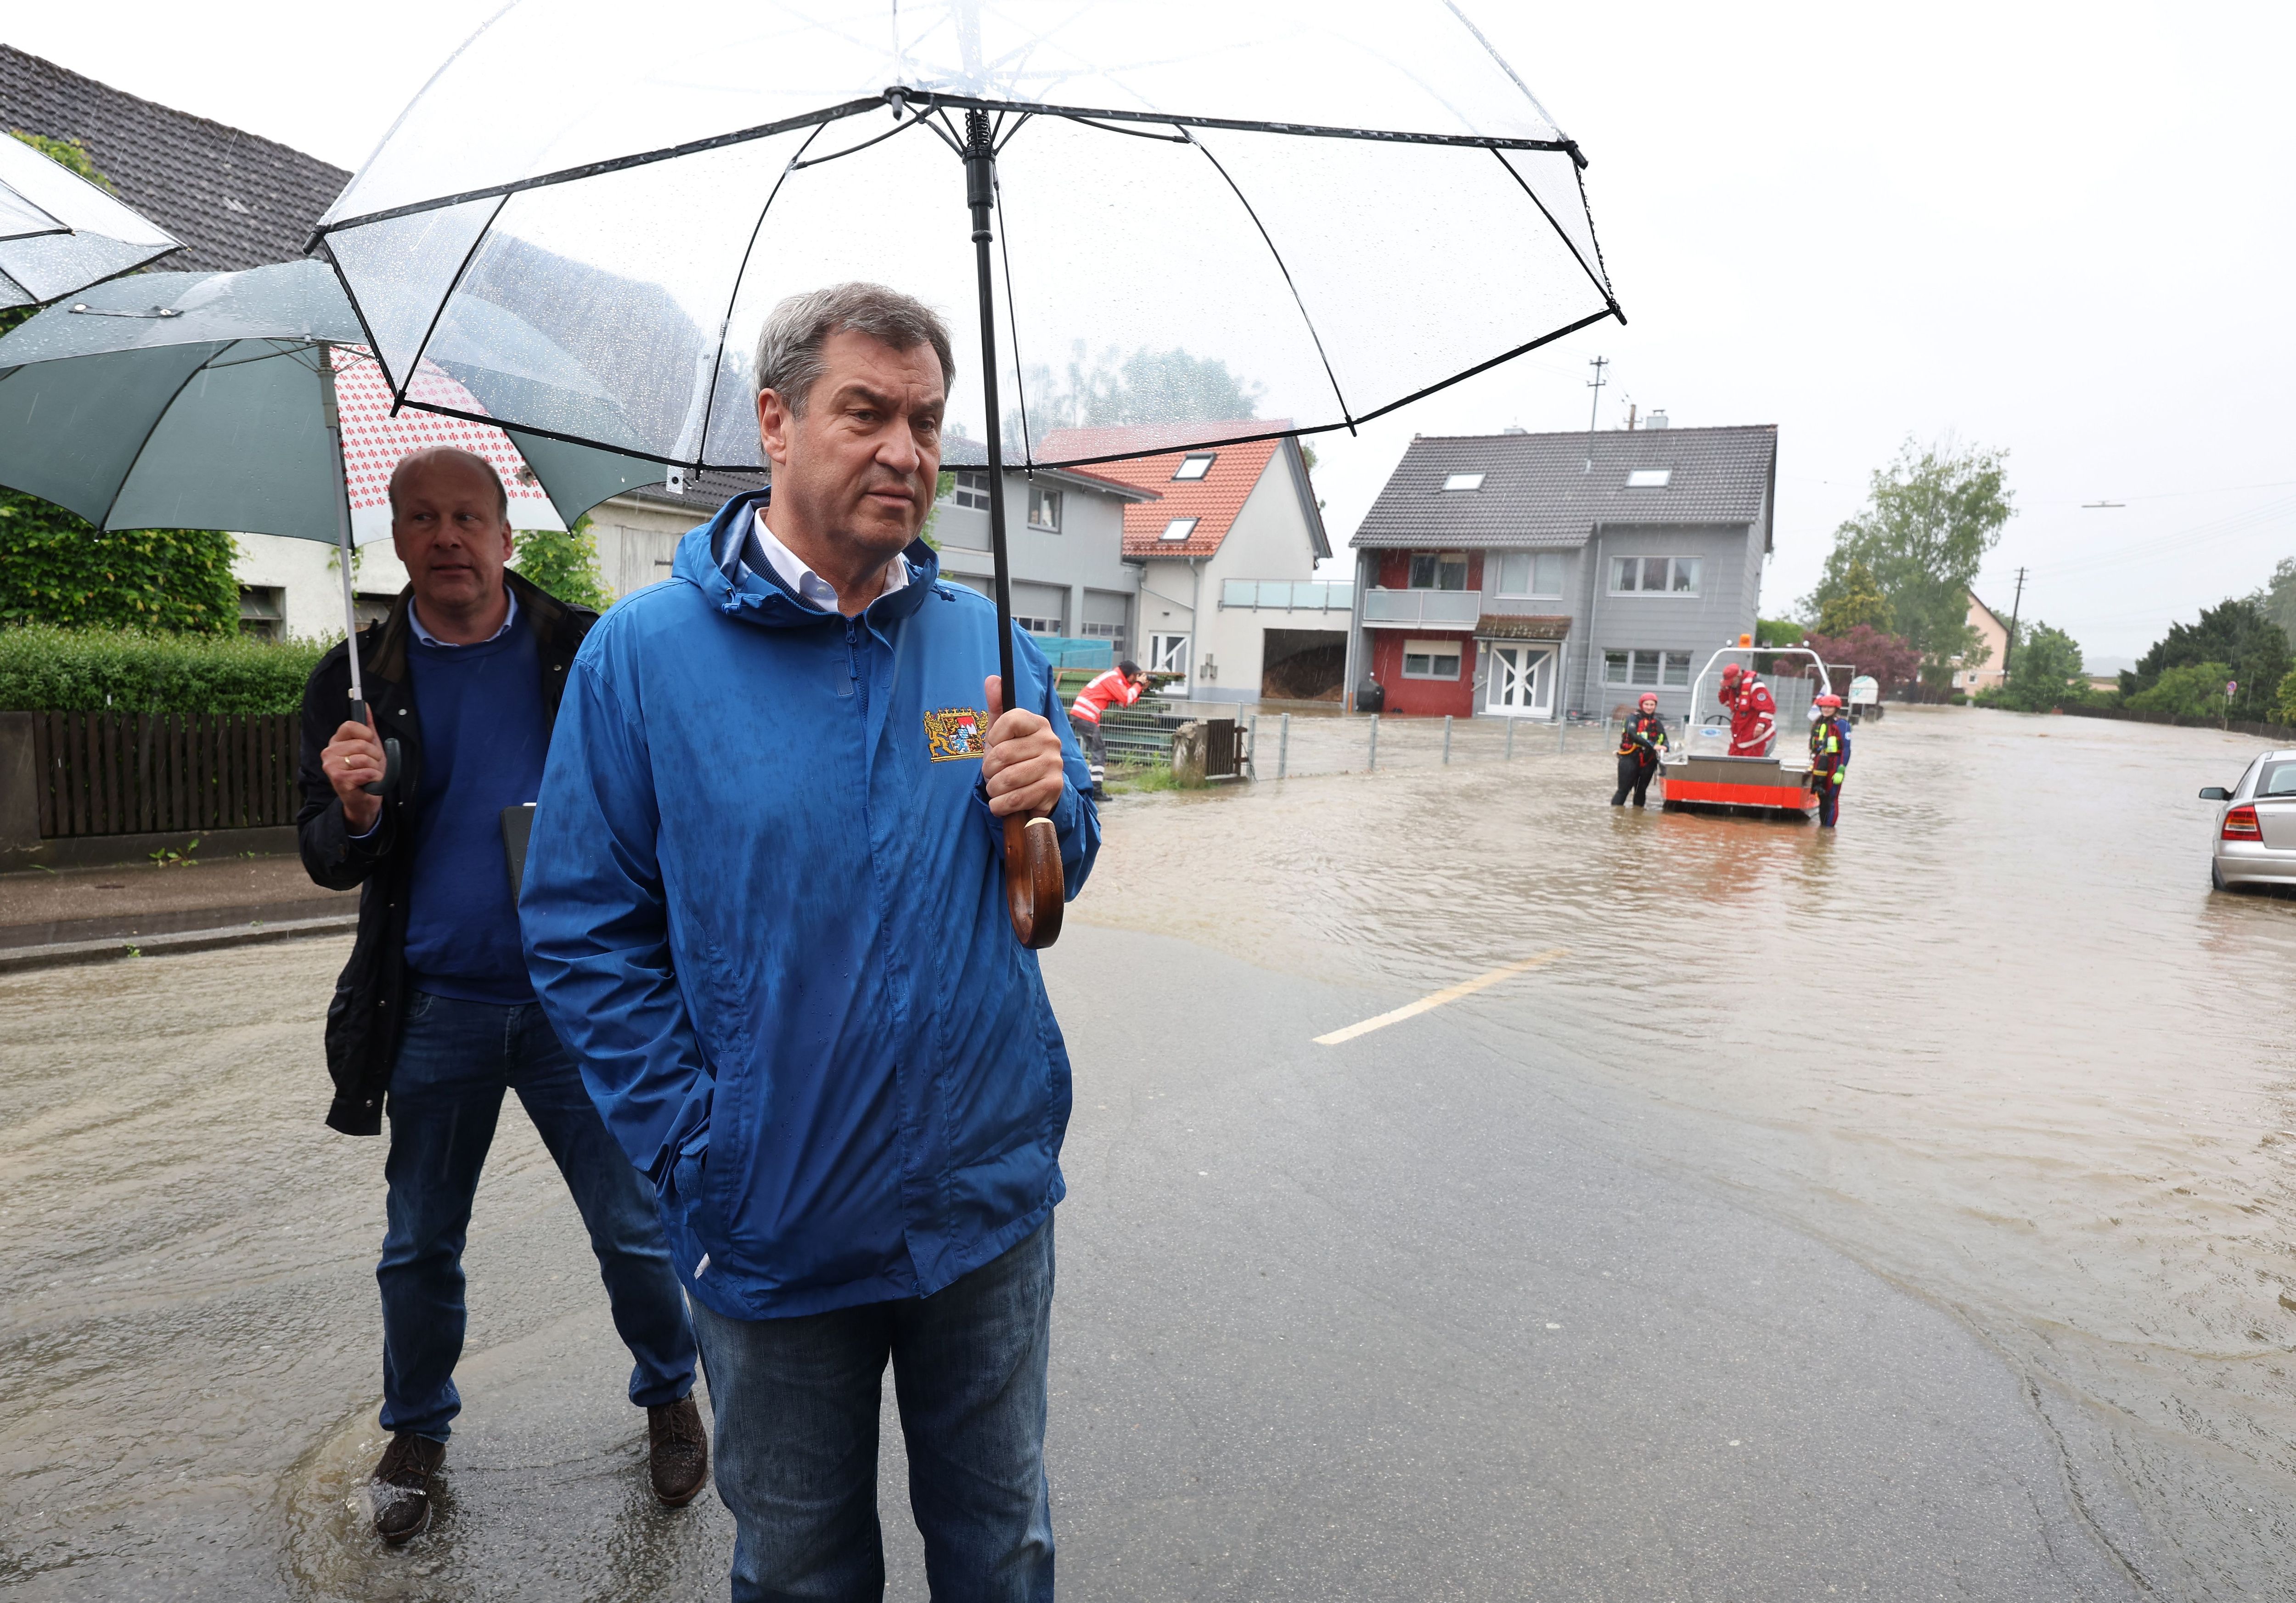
[{"x": 764, "y": 907}]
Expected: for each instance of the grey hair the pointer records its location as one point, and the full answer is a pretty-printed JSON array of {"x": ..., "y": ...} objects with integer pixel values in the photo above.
[{"x": 789, "y": 347}]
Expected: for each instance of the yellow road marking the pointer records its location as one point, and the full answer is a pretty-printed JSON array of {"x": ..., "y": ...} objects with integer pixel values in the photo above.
[{"x": 1465, "y": 988}]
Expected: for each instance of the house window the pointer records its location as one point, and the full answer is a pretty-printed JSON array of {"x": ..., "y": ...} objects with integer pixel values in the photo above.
[
  {"x": 1649, "y": 478},
  {"x": 1645, "y": 670},
  {"x": 1456, "y": 481},
  {"x": 1050, "y": 627},
  {"x": 263, "y": 611},
  {"x": 1530, "y": 574},
  {"x": 1195, "y": 466},
  {"x": 1438, "y": 571},
  {"x": 1430, "y": 659},
  {"x": 1655, "y": 575},
  {"x": 1044, "y": 508},
  {"x": 1169, "y": 653},
  {"x": 971, "y": 490},
  {"x": 1178, "y": 529}
]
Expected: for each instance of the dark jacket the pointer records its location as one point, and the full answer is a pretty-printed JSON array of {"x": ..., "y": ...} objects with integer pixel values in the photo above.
[
  {"x": 1643, "y": 737},
  {"x": 371, "y": 995}
]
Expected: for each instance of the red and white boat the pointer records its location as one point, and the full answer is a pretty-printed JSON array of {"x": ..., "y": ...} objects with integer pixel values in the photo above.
[{"x": 1703, "y": 775}]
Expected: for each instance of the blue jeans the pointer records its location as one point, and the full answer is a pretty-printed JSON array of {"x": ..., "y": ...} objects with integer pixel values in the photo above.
[
  {"x": 456, "y": 1059},
  {"x": 797, "y": 1405}
]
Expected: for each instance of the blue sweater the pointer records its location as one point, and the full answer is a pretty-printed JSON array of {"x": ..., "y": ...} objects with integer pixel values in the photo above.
[{"x": 486, "y": 734}]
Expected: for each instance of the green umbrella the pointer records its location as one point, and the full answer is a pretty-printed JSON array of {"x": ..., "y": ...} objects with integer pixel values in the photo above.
[{"x": 209, "y": 401}]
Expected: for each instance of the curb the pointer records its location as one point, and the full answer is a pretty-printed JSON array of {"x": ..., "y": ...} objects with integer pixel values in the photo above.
[{"x": 67, "y": 953}]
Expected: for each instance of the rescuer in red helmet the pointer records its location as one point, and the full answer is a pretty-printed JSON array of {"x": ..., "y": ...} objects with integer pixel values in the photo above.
[
  {"x": 1641, "y": 739},
  {"x": 1829, "y": 758},
  {"x": 1753, "y": 712}
]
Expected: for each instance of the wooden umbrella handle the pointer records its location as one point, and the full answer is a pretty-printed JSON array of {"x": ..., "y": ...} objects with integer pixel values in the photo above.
[{"x": 1035, "y": 890}]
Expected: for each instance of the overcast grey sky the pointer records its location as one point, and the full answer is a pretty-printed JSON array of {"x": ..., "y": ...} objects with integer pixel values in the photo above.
[{"x": 2065, "y": 231}]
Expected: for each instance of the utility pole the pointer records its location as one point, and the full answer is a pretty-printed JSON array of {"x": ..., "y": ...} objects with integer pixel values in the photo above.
[
  {"x": 1593, "y": 408},
  {"x": 2010, "y": 645}
]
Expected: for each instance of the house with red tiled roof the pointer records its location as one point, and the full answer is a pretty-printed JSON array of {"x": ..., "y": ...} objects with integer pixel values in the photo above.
[{"x": 1229, "y": 600}]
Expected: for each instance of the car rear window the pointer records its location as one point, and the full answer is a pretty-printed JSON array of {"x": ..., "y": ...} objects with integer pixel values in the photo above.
[{"x": 2278, "y": 779}]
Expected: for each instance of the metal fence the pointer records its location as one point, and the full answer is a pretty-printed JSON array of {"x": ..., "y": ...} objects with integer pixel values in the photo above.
[
  {"x": 133, "y": 773},
  {"x": 1288, "y": 744}
]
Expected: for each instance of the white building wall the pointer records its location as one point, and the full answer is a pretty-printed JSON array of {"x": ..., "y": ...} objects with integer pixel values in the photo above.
[
  {"x": 1269, "y": 539},
  {"x": 307, "y": 571}
]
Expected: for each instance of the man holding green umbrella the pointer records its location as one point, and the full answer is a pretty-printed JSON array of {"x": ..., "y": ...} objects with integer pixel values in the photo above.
[{"x": 434, "y": 1012}]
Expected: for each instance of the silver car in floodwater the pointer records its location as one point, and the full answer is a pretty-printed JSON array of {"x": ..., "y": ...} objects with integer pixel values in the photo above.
[{"x": 2256, "y": 827}]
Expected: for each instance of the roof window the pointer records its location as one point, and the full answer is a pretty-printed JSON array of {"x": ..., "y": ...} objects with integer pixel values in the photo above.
[
  {"x": 1194, "y": 466},
  {"x": 1649, "y": 478},
  {"x": 1178, "y": 529},
  {"x": 1462, "y": 482}
]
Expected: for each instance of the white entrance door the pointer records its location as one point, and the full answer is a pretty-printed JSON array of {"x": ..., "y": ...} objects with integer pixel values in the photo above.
[
  {"x": 1522, "y": 680},
  {"x": 1169, "y": 653}
]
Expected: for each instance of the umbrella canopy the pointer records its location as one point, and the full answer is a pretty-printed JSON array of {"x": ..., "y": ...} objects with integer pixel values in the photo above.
[
  {"x": 1306, "y": 211},
  {"x": 1301, "y": 209},
  {"x": 174, "y": 401},
  {"x": 59, "y": 233}
]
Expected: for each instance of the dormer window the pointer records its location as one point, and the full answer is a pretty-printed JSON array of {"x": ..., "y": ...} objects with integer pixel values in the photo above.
[
  {"x": 1649, "y": 478},
  {"x": 1458, "y": 481},
  {"x": 1194, "y": 466},
  {"x": 1178, "y": 529}
]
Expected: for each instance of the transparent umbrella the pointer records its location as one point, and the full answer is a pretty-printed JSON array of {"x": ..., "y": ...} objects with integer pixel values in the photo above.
[
  {"x": 59, "y": 233},
  {"x": 244, "y": 401},
  {"x": 1279, "y": 218}
]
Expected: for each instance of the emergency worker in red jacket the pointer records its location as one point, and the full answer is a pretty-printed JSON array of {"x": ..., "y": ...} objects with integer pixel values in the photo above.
[
  {"x": 1753, "y": 712},
  {"x": 1641, "y": 739},
  {"x": 1119, "y": 686}
]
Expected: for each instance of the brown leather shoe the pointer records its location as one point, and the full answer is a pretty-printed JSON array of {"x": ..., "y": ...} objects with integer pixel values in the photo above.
[
  {"x": 677, "y": 1451},
  {"x": 402, "y": 1486}
]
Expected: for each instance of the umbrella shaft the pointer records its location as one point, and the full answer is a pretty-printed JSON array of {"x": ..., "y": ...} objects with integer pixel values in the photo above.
[
  {"x": 981, "y": 195},
  {"x": 331, "y": 415}
]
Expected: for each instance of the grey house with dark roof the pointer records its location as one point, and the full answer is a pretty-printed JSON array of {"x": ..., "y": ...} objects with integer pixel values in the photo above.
[{"x": 1525, "y": 575}]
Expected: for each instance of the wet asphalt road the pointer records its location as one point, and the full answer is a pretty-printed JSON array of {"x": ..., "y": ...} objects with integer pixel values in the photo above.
[{"x": 1380, "y": 1320}]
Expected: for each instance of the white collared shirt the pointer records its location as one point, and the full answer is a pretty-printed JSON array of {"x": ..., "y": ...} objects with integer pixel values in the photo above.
[
  {"x": 808, "y": 586},
  {"x": 415, "y": 617}
]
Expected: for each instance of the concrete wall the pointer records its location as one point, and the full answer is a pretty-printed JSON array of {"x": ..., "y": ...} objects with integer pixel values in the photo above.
[{"x": 307, "y": 571}]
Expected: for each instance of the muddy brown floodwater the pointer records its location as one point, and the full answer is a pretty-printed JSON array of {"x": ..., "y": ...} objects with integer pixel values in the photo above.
[{"x": 1996, "y": 1038}]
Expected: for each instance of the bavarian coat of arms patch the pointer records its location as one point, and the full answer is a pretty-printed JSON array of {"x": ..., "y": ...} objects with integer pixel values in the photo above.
[{"x": 953, "y": 733}]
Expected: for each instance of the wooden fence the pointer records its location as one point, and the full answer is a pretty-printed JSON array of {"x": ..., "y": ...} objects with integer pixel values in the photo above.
[{"x": 133, "y": 773}]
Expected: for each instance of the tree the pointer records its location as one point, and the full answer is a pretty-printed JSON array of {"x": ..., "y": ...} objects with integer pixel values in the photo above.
[
  {"x": 56, "y": 569},
  {"x": 2278, "y": 596},
  {"x": 2047, "y": 672},
  {"x": 2235, "y": 635},
  {"x": 1114, "y": 390},
  {"x": 1858, "y": 605},
  {"x": 2284, "y": 704},
  {"x": 1777, "y": 631},
  {"x": 563, "y": 563},
  {"x": 1930, "y": 517},
  {"x": 2194, "y": 690},
  {"x": 1889, "y": 660}
]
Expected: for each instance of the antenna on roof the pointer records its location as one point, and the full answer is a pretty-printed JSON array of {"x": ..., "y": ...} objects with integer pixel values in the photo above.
[{"x": 1594, "y": 408}]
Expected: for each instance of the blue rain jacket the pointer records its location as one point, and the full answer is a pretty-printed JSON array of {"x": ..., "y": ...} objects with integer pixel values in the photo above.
[{"x": 763, "y": 908}]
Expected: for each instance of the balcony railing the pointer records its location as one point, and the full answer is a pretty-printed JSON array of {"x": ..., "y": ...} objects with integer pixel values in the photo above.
[
  {"x": 1292, "y": 595},
  {"x": 1423, "y": 609}
]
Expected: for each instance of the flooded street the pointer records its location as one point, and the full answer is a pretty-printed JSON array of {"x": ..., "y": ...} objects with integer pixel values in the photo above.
[{"x": 1995, "y": 1038}]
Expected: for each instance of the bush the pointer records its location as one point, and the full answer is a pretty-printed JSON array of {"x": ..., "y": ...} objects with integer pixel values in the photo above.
[
  {"x": 44, "y": 670},
  {"x": 2195, "y": 690},
  {"x": 55, "y": 568},
  {"x": 2284, "y": 701}
]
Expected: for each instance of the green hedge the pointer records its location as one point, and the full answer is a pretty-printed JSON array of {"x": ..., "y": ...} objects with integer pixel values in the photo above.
[{"x": 44, "y": 670}]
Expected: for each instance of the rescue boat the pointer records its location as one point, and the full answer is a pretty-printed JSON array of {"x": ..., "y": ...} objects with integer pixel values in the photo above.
[{"x": 1704, "y": 776}]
